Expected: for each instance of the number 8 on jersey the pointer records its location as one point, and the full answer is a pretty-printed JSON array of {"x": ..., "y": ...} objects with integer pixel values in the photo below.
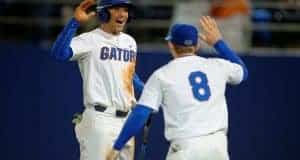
[{"x": 198, "y": 81}]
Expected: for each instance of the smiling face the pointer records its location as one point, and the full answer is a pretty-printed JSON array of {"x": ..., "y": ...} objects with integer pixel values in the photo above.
[{"x": 117, "y": 21}]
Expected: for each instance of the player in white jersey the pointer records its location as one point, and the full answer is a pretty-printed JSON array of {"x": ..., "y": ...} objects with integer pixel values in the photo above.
[
  {"x": 191, "y": 91},
  {"x": 106, "y": 58}
]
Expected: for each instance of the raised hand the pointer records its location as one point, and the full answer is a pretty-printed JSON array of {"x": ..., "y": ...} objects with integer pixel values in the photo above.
[
  {"x": 211, "y": 33},
  {"x": 81, "y": 12}
]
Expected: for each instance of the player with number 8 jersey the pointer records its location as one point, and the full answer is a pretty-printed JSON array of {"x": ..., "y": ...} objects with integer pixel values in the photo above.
[{"x": 191, "y": 91}]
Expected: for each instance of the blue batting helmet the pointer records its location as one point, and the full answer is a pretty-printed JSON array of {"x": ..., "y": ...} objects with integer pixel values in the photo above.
[{"x": 103, "y": 5}]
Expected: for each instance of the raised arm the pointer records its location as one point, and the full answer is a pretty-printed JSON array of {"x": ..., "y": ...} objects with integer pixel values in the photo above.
[
  {"x": 61, "y": 49},
  {"x": 212, "y": 36}
]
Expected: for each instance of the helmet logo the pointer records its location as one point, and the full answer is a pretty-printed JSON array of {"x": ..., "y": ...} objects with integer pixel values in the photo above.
[{"x": 188, "y": 42}]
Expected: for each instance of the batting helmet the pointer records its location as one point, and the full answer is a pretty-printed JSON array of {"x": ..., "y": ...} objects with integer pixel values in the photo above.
[{"x": 103, "y": 5}]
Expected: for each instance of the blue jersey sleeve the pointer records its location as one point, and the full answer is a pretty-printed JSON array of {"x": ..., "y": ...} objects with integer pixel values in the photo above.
[
  {"x": 133, "y": 125},
  {"x": 138, "y": 85},
  {"x": 61, "y": 49},
  {"x": 227, "y": 53}
]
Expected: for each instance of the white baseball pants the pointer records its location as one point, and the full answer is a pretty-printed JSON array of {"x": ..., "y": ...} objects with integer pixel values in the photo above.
[
  {"x": 209, "y": 147},
  {"x": 96, "y": 134}
]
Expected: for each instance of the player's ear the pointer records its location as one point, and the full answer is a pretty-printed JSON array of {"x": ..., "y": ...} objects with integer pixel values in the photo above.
[
  {"x": 171, "y": 48},
  {"x": 170, "y": 45},
  {"x": 198, "y": 46}
]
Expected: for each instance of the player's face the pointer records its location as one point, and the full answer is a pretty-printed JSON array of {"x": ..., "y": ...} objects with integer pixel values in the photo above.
[{"x": 118, "y": 19}]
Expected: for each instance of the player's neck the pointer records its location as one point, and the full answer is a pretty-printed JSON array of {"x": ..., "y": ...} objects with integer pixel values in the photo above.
[
  {"x": 184, "y": 55},
  {"x": 108, "y": 29}
]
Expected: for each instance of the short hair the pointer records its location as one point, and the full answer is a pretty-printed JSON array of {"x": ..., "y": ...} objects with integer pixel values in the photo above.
[{"x": 184, "y": 49}]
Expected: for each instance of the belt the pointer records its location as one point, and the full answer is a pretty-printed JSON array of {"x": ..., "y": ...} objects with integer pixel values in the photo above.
[{"x": 118, "y": 113}]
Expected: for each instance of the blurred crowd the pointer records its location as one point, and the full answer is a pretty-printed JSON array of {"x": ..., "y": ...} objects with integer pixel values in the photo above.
[{"x": 244, "y": 23}]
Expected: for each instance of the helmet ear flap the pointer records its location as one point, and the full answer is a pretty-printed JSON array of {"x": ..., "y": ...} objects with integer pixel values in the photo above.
[{"x": 103, "y": 15}]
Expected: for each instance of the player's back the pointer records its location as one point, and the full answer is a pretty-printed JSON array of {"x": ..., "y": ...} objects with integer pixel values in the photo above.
[{"x": 193, "y": 91}]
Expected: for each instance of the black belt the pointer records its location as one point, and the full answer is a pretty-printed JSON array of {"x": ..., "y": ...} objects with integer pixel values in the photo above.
[{"x": 118, "y": 113}]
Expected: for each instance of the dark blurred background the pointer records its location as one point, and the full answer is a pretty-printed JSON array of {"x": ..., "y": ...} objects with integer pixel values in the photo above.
[
  {"x": 257, "y": 25},
  {"x": 38, "y": 95}
]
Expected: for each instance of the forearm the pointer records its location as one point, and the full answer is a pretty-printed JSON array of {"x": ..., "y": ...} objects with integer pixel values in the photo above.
[
  {"x": 227, "y": 53},
  {"x": 61, "y": 49},
  {"x": 133, "y": 125}
]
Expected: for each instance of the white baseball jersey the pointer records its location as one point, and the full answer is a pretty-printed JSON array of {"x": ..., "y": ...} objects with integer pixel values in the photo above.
[
  {"x": 191, "y": 91},
  {"x": 107, "y": 65}
]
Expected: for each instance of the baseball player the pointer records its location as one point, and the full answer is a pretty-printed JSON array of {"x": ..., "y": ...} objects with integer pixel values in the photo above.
[
  {"x": 191, "y": 91},
  {"x": 106, "y": 58}
]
